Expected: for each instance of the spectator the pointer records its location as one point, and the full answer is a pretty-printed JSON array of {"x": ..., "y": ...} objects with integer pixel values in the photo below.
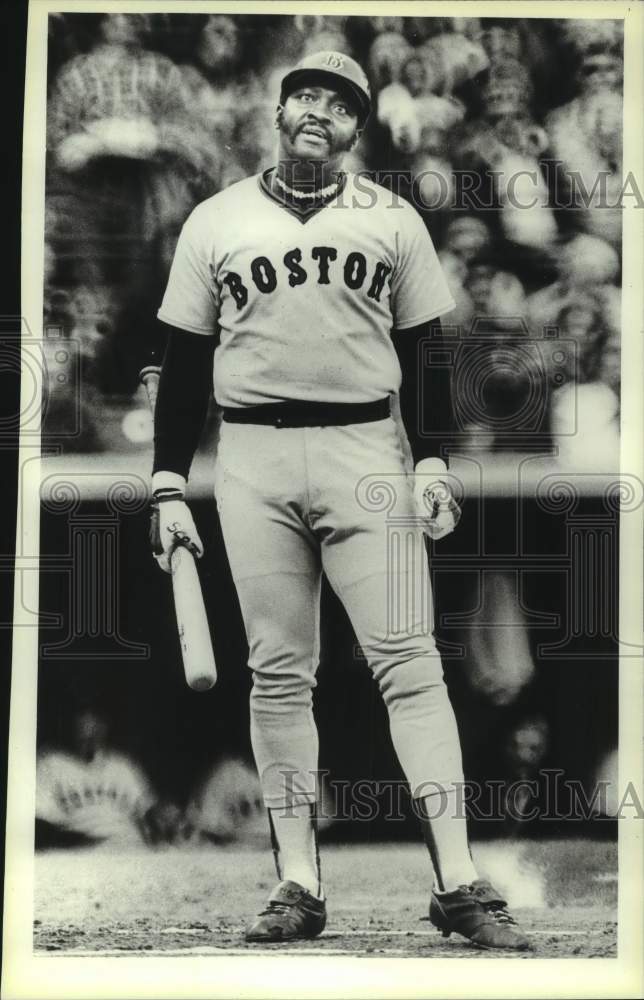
[
  {"x": 455, "y": 269},
  {"x": 495, "y": 294},
  {"x": 526, "y": 747},
  {"x": 417, "y": 118},
  {"x": 451, "y": 60},
  {"x": 586, "y": 136},
  {"x": 327, "y": 39},
  {"x": 114, "y": 100},
  {"x": 396, "y": 110},
  {"x": 228, "y": 806},
  {"x": 387, "y": 55},
  {"x": 214, "y": 107},
  {"x": 470, "y": 27},
  {"x": 506, "y": 141},
  {"x": 501, "y": 664},
  {"x": 382, "y": 25},
  {"x": 310, "y": 24},
  {"x": 581, "y": 322},
  {"x": 596, "y": 35},
  {"x": 588, "y": 266},
  {"x": 437, "y": 114},
  {"x": 467, "y": 236},
  {"x": 108, "y": 113},
  {"x": 119, "y": 138},
  {"x": 585, "y": 427},
  {"x": 585, "y": 411},
  {"x": 91, "y": 792},
  {"x": 413, "y": 75},
  {"x": 219, "y": 48},
  {"x": 525, "y": 750},
  {"x": 502, "y": 41},
  {"x": 610, "y": 366}
]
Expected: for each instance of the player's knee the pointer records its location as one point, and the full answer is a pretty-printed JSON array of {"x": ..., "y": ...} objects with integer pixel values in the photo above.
[
  {"x": 412, "y": 671},
  {"x": 280, "y": 693}
]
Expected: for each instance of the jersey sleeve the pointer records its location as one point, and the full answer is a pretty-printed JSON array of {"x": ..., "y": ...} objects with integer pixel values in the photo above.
[
  {"x": 419, "y": 291},
  {"x": 191, "y": 299}
]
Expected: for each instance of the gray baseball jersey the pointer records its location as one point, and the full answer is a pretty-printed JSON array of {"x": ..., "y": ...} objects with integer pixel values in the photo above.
[{"x": 304, "y": 309}]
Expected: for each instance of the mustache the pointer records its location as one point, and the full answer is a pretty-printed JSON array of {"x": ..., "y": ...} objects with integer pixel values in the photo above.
[{"x": 316, "y": 125}]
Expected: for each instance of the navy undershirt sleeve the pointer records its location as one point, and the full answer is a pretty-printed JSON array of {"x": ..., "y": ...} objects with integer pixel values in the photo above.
[
  {"x": 426, "y": 390},
  {"x": 185, "y": 388}
]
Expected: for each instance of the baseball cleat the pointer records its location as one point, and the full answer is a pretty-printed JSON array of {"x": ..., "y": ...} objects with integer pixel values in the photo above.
[
  {"x": 292, "y": 913},
  {"x": 478, "y": 912}
]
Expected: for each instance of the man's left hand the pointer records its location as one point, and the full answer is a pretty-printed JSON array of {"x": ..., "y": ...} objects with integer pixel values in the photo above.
[{"x": 436, "y": 507}]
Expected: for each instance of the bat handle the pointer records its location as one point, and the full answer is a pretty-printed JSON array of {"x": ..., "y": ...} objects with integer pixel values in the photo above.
[{"x": 149, "y": 377}]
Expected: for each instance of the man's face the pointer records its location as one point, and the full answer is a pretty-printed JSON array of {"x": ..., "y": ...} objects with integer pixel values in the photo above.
[
  {"x": 501, "y": 41},
  {"x": 90, "y": 734},
  {"x": 387, "y": 55},
  {"x": 414, "y": 76},
  {"x": 466, "y": 241},
  {"x": 480, "y": 285},
  {"x": 579, "y": 321},
  {"x": 218, "y": 47},
  {"x": 600, "y": 71},
  {"x": 528, "y": 744},
  {"x": 611, "y": 362},
  {"x": 316, "y": 123},
  {"x": 503, "y": 97},
  {"x": 583, "y": 325},
  {"x": 122, "y": 29}
]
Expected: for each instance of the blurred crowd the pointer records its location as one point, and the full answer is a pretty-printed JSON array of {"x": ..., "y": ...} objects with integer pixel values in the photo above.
[
  {"x": 92, "y": 791},
  {"x": 88, "y": 790},
  {"x": 506, "y": 134}
]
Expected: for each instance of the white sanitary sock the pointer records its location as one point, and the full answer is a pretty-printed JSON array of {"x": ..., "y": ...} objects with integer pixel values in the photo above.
[
  {"x": 294, "y": 830},
  {"x": 445, "y": 831}
]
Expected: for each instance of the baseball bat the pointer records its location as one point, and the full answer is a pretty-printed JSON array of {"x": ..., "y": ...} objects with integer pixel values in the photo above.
[{"x": 192, "y": 623}]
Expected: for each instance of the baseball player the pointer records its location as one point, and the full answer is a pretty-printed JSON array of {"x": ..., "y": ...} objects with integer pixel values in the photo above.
[
  {"x": 314, "y": 289},
  {"x": 92, "y": 790}
]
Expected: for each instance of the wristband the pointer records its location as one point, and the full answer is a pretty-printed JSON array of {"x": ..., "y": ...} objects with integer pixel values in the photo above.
[
  {"x": 163, "y": 495},
  {"x": 164, "y": 481}
]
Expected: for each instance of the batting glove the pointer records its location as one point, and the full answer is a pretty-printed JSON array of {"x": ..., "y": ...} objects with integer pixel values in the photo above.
[
  {"x": 171, "y": 523},
  {"x": 436, "y": 507}
]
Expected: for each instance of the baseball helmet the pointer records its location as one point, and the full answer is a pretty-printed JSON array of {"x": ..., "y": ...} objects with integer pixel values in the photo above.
[{"x": 335, "y": 68}]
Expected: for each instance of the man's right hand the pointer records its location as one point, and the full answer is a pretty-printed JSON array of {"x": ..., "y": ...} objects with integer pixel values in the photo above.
[{"x": 171, "y": 524}]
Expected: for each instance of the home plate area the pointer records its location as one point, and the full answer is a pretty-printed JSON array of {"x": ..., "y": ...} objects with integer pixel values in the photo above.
[{"x": 196, "y": 901}]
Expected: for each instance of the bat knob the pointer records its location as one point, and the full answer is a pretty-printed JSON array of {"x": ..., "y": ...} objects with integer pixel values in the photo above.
[
  {"x": 201, "y": 683},
  {"x": 149, "y": 370}
]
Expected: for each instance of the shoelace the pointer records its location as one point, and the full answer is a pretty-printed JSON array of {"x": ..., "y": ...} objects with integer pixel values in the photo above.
[
  {"x": 499, "y": 913},
  {"x": 497, "y": 908},
  {"x": 276, "y": 907}
]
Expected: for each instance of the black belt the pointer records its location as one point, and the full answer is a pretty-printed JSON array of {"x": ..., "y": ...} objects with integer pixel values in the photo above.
[{"x": 305, "y": 414}]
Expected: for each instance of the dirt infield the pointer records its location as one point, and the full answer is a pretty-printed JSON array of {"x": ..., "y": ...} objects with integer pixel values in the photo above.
[{"x": 196, "y": 901}]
